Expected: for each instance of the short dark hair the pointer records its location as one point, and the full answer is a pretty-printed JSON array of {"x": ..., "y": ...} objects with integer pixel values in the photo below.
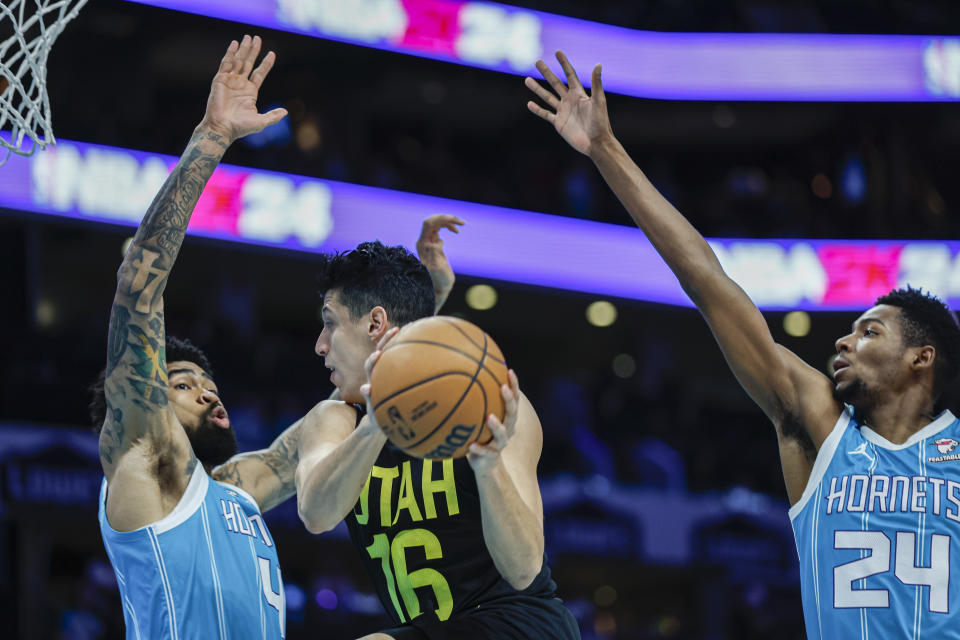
[
  {"x": 926, "y": 319},
  {"x": 176, "y": 349},
  {"x": 374, "y": 274}
]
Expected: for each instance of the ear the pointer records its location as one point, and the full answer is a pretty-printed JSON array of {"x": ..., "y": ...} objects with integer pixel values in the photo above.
[
  {"x": 923, "y": 358},
  {"x": 378, "y": 325}
]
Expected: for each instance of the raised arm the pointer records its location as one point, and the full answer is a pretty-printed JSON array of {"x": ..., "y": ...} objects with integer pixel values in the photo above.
[
  {"x": 139, "y": 418},
  {"x": 430, "y": 252},
  {"x": 789, "y": 392}
]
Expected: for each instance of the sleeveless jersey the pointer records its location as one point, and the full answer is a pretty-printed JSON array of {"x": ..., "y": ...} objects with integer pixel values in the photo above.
[
  {"x": 418, "y": 529},
  {"x": 207, "y": 570},
  {"x": 875, "y": 532}
]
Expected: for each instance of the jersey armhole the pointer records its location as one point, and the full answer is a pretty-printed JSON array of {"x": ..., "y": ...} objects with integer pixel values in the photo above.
[
  {"x": 824, "y": 457},
  {"x": 187, "y": 505}
]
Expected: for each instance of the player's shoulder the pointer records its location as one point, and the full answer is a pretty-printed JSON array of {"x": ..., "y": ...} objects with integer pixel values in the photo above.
[{"x": 331, "y": 414}]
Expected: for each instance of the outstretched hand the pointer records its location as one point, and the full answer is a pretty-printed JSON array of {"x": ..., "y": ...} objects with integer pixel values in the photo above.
[
  {"x": 580, "y": 119},
  {"x": 232, "y": 104},
  {"x": 430, "y": 251}
]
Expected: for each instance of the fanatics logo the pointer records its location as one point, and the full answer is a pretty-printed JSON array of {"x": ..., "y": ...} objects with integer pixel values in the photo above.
[{"x": 945, "y": 446}]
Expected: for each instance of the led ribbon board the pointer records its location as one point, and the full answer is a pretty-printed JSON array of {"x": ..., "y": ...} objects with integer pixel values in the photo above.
[
  {"x": 648, "y": 64},
  {"x": 112, "y": 185}
]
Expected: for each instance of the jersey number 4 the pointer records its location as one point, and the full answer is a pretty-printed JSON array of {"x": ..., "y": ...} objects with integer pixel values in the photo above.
[
  {"x": 395, "y": 555},
  {"x": 276, "y": 599},
  {"x": 936, "y": 576}
]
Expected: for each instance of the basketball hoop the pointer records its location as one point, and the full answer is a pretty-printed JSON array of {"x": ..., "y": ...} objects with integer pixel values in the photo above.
[{"x": 24, "y": 105}]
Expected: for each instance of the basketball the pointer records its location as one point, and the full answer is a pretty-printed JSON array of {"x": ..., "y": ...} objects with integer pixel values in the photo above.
[{"x": 435, "y": 384}]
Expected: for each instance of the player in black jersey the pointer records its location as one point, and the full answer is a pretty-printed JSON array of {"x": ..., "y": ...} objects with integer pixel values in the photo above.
[{"x": 454, "y": 547}]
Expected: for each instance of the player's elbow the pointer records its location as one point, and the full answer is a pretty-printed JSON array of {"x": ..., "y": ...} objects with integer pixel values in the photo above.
[
  {"x": 311, "y": 517},
  {"x": 314, "y": 523},
  {"x": 522, "y": 577}
]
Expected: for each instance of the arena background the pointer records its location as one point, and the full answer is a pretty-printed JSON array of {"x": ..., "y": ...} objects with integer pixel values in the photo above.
[{"x": 665, "y": 508}]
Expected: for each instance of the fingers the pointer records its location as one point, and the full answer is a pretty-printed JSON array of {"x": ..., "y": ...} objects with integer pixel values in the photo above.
[
  {"x": 263, "y": 69},
  {"x": 551, "y": 78},
  {"x": 365, "y": 391},
  {"x": 252, "y": 56},
  {"x": 541, "y": 93},
  {"x": 272, "y": 117},
  {"x": 572, "y": 80},
  {"x": 537, "y": 110},
  {"x": 370, "y": 361},
  {"x": 242, "y": 51},
  {"x": 241, "y": 56},
  {"x": 501, "y": 434},
  {"x": 430, "y": 231},
  {"x": 246, "y": 54},
  {"x": 226, "y": 64},
  {"x": 596, "y": 86},
  {"x": 450, "y": 222},
  {"x": 511, "y": 401},
  {"x": 387, "y": 337},
  {"x": 499, "y": 440},
  {"x": 514, "y": 383}
]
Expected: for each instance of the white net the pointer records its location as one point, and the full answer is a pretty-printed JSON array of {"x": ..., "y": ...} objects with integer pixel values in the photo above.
[{"x": 29, "y": 29}]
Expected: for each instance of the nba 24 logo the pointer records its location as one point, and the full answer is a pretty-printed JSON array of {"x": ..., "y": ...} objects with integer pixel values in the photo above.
[{"x": 945, "y": 445}]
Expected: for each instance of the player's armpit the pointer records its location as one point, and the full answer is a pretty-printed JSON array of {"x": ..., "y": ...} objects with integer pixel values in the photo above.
[
  {"x": 817, "y": 410},
  {"x": 796, "y": 463}
]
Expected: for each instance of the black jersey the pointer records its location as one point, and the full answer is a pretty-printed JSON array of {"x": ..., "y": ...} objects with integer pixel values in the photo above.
[{"x": 417, "y": 526}]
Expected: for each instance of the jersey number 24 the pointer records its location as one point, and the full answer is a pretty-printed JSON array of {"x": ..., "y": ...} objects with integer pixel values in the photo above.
[{"x": 936, "y": 576}]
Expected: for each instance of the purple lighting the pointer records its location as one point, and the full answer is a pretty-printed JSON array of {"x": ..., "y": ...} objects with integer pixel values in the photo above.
[
  {"x": 110, "y": 185},
  {"x": 326, "y": 599},
  {"x": 649, "y": 64}
]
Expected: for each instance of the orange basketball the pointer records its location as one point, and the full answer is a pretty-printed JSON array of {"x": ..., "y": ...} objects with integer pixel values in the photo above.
[{"x": 435, "y": 384}]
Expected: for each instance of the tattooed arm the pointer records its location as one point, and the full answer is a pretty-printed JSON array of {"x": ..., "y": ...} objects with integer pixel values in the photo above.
[
  {"x": 268, "y": 474},
  {"x": 145, "y": 453}
]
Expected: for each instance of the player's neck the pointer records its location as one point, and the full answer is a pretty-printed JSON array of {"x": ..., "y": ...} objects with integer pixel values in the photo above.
[{"x": 897, "y": 417}]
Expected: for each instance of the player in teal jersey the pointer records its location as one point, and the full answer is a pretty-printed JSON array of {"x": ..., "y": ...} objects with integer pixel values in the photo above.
[
  {"x": 867, "y": 461},
  {"x": 193, "y": 557},
  {"x": 192, "y": 554}
]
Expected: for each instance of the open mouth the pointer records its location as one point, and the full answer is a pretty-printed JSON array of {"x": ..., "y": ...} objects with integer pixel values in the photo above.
[{"x": 219, "y": 417}]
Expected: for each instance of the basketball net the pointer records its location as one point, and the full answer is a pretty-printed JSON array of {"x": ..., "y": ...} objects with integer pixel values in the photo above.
[{"x": 24, "y": 105}]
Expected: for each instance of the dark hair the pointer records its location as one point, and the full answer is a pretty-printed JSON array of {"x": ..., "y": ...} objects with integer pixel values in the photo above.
[
  {"x": 374, "y": 274},
  {"x": 176, "y": 349},
  {"x": 925, "y": 319}
]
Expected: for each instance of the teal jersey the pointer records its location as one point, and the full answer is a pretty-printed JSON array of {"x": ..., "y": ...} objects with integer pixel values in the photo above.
[
  {"x": 207, "y": 570},
  {"x": 874, "y": 531}
]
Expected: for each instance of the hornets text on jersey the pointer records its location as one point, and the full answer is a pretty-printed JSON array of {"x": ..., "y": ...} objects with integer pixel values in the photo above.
[
  {"x": 208, "y": 570},
  {"x": 874, "y": 531}
]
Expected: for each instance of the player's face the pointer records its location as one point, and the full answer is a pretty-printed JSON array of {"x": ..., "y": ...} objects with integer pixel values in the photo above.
[
  {"x": 196, "y": 402},
  {"x": 344, "y": 344},
  {"x": 871, "y": 359}
]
